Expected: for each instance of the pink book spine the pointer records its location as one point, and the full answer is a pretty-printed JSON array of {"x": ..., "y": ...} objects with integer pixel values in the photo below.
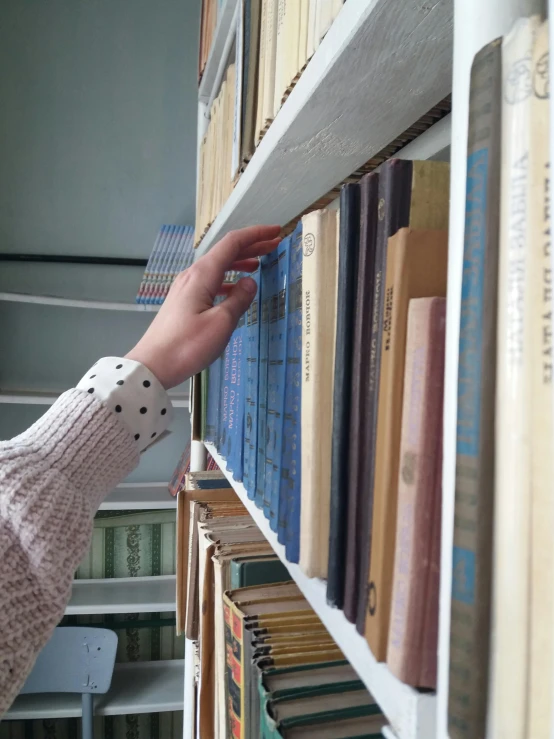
[{"x": 412, "y": 644}]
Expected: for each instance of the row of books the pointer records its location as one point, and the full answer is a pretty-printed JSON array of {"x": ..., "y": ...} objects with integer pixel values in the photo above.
[
  {"x": 502, "y": 610},
  {"x": 274, "y": 41},
  {"x": 327, "y": 404},
  {"x": 267, "y": 666},
  {"x": 172, "y": 253}
]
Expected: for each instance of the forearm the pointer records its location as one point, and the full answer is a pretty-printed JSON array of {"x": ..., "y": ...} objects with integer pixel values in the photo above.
[{"x": 52, "y": 480}]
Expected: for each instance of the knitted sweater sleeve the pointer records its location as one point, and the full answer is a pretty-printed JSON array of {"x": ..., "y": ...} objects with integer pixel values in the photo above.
[{"x": 53, "y": 477}]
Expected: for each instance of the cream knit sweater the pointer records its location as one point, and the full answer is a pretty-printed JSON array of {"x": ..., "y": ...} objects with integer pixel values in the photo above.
[{"x": 53, "y": 477}]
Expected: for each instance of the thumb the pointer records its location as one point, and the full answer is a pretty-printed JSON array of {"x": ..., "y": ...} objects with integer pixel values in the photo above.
[{"x": 239, "y": 299}]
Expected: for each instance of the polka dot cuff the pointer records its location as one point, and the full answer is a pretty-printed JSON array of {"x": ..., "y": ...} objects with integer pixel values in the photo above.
[{"x": 133, "y": 393}]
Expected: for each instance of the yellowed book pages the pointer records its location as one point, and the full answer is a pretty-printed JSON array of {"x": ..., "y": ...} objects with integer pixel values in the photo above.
[
  {"x": 319, "y": 306},
  {"x": 538, "y": 307},
  {"x": 261, "y": 73},
  {"x": 512, "y": 501},
  {"x": 270, "y": 62}
]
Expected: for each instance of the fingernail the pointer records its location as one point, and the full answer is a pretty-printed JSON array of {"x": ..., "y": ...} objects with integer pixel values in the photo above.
[{"x": 249, "y": 286}]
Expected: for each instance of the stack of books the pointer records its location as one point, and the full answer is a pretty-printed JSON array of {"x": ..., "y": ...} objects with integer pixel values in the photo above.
[
  {"x": 275, "y": 39},
  {"x": 172, "y": 253},
  {"x": 267, "y": 667},
  {"x": 327, "y": 404}
]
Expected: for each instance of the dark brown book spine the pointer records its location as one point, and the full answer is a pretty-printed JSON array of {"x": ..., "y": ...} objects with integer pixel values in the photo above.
[
  {"x": 470, "y": 624},
  {"x": 369, "y": 194},
  {"x": 393, "y": 213}
]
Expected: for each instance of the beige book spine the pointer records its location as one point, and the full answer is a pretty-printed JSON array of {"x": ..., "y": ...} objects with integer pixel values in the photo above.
[
  {"x": 318, "y": 332},
  {"x": 270, "y": 62},
  {"x": 325, "y": 18},
  {"x": 261, "y": 73},
  {"x": 312, "y": 20},
  {"x": 281, "y": 65},
  {"x": 303, "y": 33},
  {"x": 538, "y": 306},
  {"x": 510, "y": 602}
]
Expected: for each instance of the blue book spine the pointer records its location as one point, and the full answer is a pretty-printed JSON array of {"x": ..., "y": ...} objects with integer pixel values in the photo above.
[
  {"x": 288, "y": 515},
  {"x": 276, "y": 383},
  {"x": 251, "y": 399},
  {"x": 224, "y": 402},
  {"x": 236, "y": 400},
  {"x": 265, "y": 265}
]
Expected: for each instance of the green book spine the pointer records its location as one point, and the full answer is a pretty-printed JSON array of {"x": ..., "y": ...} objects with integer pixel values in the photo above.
[
  {"x": 257, "y": 572},
  {"x": 474, "y": 487}
]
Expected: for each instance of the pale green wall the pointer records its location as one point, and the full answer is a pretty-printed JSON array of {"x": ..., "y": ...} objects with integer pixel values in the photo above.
[{"x": 97, "y": 149}]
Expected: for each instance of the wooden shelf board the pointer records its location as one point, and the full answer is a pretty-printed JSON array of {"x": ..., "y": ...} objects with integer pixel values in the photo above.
[
  {"x": 140, "y": 496},
  {"x": 326, "y": 129},
  {"x": 137, "y": 687},
  {"x": 410, "y": 713},
  {"x": 122, "y": 595}
]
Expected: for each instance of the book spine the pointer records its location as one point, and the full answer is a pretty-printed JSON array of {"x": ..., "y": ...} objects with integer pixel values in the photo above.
[
  {"x": 151, "y": 261},
  {"x": 272, "y": 379},
  {"x": 512, "y": 508},
  {"x": 538, "y": 307},
  {"x": 279, "y": 359},
  {"x": 224, "y": 402},
  {"x": 174, "y": 265},
  {"x": 239, "y": 68},
  {"x": 149, "y": 286},
  {"x": 162, "y": 267},
  {"x": 369, "y": 191},
  {"x": 262, "y": 387},
  {"x": 319, "y": 289},
  {"x": 395, "y": 176},
  {"x": 270, "y": 62},
  {"x": 475, "y": 449},
  {"x": 261, "y": 71},
  {"x": 252, "y": 387},
  {"x": 349, "y": 244},
  {"x": 289, "y": 490},
  {"x": 280, "y": 55},
  {"x": 418, "y": 494},
  {"x": 238, "y": 385},
  {"x": 416, "y": 268}
]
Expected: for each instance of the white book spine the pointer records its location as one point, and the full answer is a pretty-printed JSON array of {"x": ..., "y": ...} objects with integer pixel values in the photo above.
[{"x": 511, "y": 545}]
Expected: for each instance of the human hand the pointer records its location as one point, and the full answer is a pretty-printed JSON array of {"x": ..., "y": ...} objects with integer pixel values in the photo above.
[{"x": 189, "y": 332}]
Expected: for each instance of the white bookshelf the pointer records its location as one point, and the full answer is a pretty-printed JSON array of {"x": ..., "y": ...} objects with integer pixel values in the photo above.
[
  {"x": 410, "y": 713},
  {"x": 75, "y": 303},
  {"x": 122, "y": 595},
  {"x": 353, "y": 99},
  {"x": 139, "y": 496},
  {"x": 137, "y": 687}
]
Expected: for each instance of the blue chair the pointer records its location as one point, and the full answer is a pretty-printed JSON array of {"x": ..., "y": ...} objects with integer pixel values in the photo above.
[{"x": 76, "y": 660}]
